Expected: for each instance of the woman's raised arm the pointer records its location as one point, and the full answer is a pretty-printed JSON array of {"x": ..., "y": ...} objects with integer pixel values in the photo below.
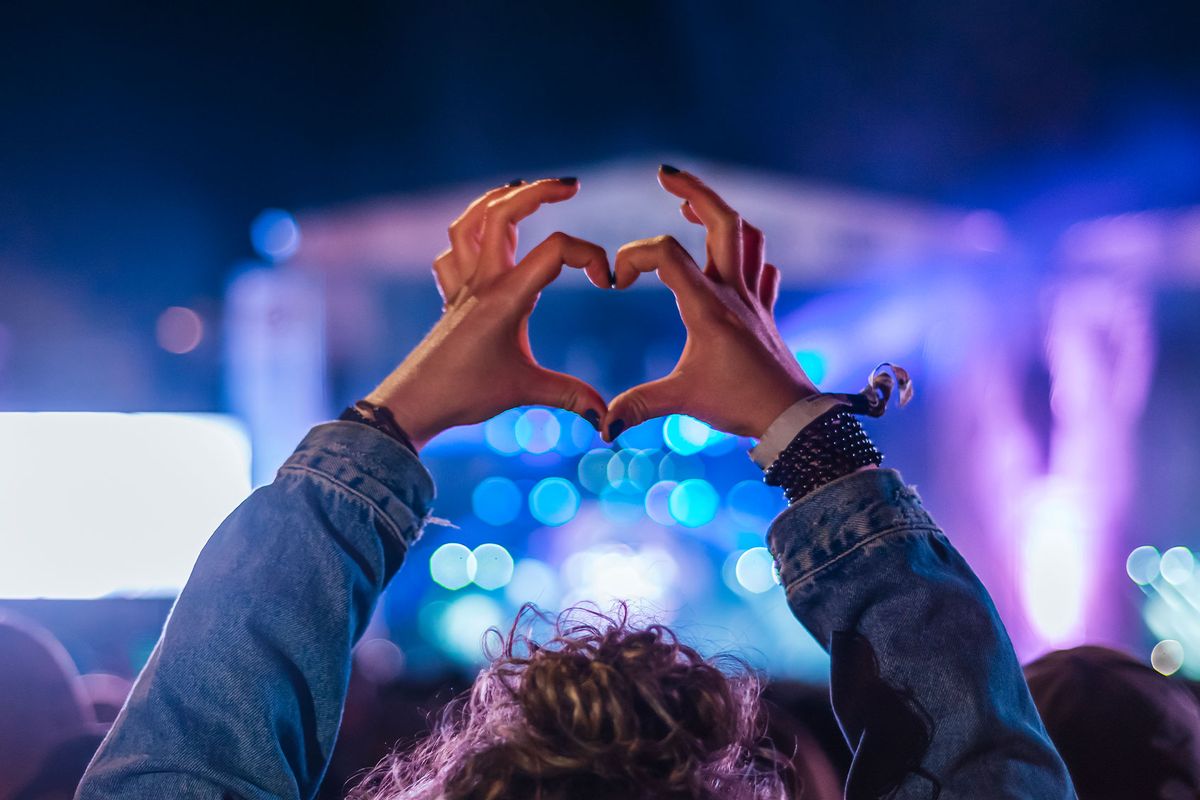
[
  {"x": 924, "y": 680},
  {"x": 243, "y": 694}
]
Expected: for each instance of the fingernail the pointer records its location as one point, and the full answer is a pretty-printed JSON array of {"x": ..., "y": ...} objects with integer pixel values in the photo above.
[
  {"x": 668, "y": 169},
  {"x": 569, "y": 181},
  {"x": 515, "y": 182},
  {"x": 593, "y": 417},
  {"x": 615, "y": 428}
]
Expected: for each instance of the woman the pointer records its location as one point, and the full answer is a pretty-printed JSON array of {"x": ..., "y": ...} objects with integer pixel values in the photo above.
[{"x": 243, "y": 694}]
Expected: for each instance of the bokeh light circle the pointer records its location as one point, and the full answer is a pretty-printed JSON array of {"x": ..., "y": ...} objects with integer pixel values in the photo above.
[
  {"x": 554, "y": 501},
  {"x": 1177, "y": 566},
  {"x": 1167, "y": 656},
  {"x": 493, "y": 566},
  {"x": 658, "y": 502},
  {"x": 693, "y": 503},
  {"x": 275, "y": 234},
  {"x": 753, "y": 504},
  {"x": 179, "y": 330},
  {"x": 496, "y": 501},
  {"x": 1142, "y": 565},
  {"x": 379, "y": 660},
  {"x": 533, "y": 581},
  {"x": 755, "y": 570},
  {"x": 537, "y": 430},
  {"x": 464, "y": 622},
  {"x": 452, "y": 566},
  {"x": 687, "y": 435},
  {"x": 593, "y": 469},
  {"x": 500, "y": 433}
]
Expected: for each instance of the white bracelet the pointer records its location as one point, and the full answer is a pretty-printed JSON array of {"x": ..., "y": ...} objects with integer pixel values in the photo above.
[
  {"x": 795, "y": 418},
  {"x": 871, "y": 401}
]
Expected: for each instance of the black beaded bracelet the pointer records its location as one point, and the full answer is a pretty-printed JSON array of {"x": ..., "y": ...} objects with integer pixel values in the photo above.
[
  {"x": 830, "y": 447},
  {"x": 379, "y": 418}
]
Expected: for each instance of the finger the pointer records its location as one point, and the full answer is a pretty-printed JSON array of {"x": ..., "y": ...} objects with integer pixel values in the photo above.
[
  {"x": 753, "y": 244},
  {"x": 447, "y": 275},
  {"x": 464, "y": 232},
  {"x": 722, "y": 222},
  {"x": 686, "y": 209},
  {"x": 544, "y": 263},
  {"x": 498, "y": 242},
  {"x": 559, "y": 390},
  {"x": 768, "y": 286},
  {"x": 634, "y": 406},
  {"x": 674, "y": 265}
]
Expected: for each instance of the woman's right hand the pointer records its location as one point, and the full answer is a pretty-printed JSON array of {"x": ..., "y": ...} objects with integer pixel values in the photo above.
[{"x": 735, "y": 372}]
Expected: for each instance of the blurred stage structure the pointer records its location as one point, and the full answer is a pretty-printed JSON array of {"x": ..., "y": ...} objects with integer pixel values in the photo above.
[{"x": 1052, "y": 435}]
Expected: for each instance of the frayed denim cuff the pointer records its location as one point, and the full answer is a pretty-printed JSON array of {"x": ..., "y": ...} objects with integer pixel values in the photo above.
[{"x": 365, "y": 462}]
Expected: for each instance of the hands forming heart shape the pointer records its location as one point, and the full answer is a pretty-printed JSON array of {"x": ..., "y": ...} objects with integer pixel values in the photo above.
[{"x": 735, "y": 372}]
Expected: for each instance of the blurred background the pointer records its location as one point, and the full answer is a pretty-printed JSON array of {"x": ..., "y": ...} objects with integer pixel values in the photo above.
[{"x": 217, "y": 224}]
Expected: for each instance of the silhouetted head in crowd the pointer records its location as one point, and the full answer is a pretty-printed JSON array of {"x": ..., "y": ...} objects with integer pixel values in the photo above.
[
  {"x": 601, "y": 710},
  {"x": 43, "y": 704},
  {"x": 1124, "y": 730}
]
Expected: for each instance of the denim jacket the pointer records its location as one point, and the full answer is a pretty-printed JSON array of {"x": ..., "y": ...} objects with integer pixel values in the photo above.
[{"x": 243, "y": 694}]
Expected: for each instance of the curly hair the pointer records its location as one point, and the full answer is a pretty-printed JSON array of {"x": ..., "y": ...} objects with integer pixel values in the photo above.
[{"x": 601, "y": 710}]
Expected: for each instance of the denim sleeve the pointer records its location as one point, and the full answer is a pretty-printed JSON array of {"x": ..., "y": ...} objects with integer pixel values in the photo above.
[
  {"x": 243, "y": 694},
  {"x": 924, "y": 681}
]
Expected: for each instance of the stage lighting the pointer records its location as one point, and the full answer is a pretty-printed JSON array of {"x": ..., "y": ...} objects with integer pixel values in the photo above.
[
  {"x": 693, "y": 503},
  {"x": 496, "y": 501},
  {"x": 493, "y": 566},
  {"x": 554, "y": 501}
]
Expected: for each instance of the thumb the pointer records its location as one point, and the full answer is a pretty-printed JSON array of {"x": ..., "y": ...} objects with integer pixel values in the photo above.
[
  {"x": 634, "y": 406},
  {"x": 559, "y": 390}
]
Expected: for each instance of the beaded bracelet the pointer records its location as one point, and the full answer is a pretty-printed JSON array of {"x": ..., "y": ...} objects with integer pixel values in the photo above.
[
  {"x": 832, "y": 446},
  {"x": 379, "y": 418}
]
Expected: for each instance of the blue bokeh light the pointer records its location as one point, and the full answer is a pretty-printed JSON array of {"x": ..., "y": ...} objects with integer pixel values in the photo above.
[
  {"x": 577, "y": 434},
  {"x": 674, "y": 467},
  {"x": 687, "y": 435},
  {"x": 658, "y": 500},
  {"x": 493, "y": 566},
  {"x": 496, "y": 501},
  {"x": 593, "y": 469},
  {"x": 554, "y": 501},
  {"x": 631, "y": 471},
  {"x": 813, "y": 364},
  {"x": 693, "y": 503},
  {"x": 537, "y": 430},
  {"x": 500, "y": 433},
  {"x": 452, "y": 566},
  {"x": 647, "y": 436},
  {"x": 753, "y": 504},
  {"x": 275, "y": 234}
]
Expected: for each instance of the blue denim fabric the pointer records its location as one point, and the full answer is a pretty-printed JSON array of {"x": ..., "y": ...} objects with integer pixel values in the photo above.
[
  {"x": 244, "y": 692},
  {"x": 924, "y": 680}
]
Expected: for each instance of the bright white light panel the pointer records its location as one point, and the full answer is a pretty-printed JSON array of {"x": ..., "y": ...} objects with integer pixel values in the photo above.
[{"x": 97, "y": 504}]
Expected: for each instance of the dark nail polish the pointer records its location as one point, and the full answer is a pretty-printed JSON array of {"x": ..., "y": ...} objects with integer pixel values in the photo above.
[
  {"x": 516, "y": 182},
  {"x": 593, "y": 418},
  {"x": 616, "y": 428},
  {"x": 569, "y": 181},
  {"x": 668, "y": 169}
]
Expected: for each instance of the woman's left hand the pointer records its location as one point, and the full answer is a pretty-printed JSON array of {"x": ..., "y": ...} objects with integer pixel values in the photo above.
[{"x": 476, "y": 362}]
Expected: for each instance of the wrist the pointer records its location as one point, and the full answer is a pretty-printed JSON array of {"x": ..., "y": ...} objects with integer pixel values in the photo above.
[{"x": 409, "y": 412}]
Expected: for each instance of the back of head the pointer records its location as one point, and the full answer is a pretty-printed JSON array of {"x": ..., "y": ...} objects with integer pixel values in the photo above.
[
  {"x": 1123, "y": 730},
  {"x": 602, "y": 710},
  {"x": 42, "y": 703}
]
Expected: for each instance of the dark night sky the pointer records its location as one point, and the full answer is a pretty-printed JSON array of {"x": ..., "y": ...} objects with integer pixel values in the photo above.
[{"x": 138, "y": 135}]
